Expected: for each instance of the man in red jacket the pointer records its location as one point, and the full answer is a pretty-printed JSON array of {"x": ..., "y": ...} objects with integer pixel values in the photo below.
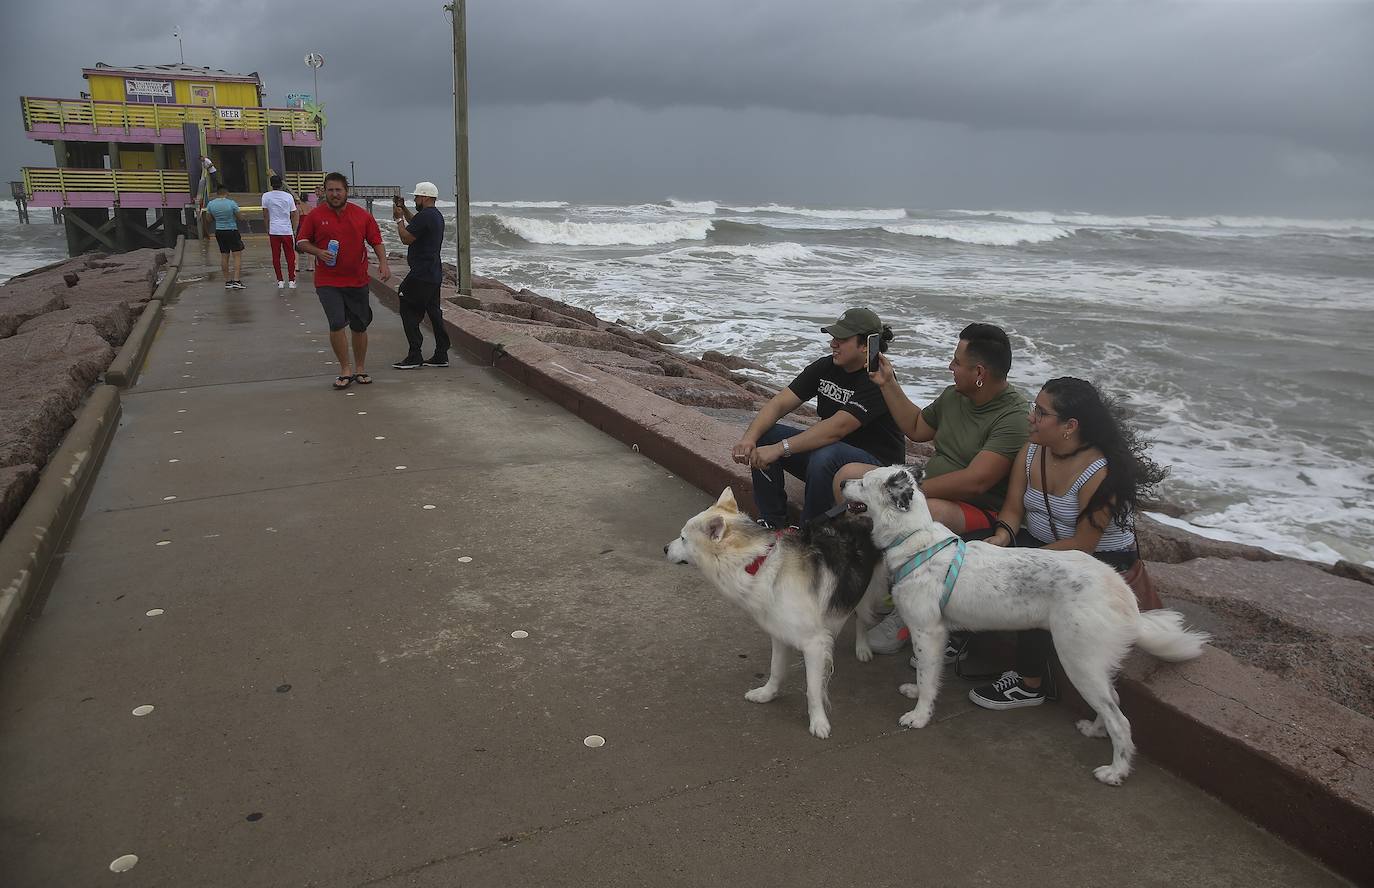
[{"x": 341, "y": 279}]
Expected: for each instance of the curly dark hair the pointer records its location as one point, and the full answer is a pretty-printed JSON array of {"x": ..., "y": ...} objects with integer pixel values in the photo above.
[{"x": 1102, "y": 423}]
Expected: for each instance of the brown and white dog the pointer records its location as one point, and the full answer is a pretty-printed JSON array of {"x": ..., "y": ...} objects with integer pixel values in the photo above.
[{"x": 799, "y": 587}]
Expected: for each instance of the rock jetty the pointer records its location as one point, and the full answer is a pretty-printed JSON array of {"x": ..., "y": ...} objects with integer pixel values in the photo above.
[{"x": 60, "y": 327}]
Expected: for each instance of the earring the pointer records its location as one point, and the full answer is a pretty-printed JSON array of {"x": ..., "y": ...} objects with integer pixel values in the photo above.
[{"x": 979, "y": 383}]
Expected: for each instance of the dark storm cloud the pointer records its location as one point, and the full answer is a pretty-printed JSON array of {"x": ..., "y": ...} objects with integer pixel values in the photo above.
[
  {"x": 1301, "y": 70},
  {"x": 1136, "y": 102}
]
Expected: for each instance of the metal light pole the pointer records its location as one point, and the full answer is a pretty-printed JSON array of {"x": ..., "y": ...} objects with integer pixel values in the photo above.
[
  {"x": 176, "y": 32},
  {"x": 460, "y": 139},
  {"x": 352, "y": 175},
  {"x": 314, "y": 60}
]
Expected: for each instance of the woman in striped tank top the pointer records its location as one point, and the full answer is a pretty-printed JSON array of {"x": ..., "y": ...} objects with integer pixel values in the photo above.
[{"x": 1088, "y": 465}]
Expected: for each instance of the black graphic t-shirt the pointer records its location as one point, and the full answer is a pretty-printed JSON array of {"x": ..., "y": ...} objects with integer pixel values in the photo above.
[{"x": 836, "y": 389}]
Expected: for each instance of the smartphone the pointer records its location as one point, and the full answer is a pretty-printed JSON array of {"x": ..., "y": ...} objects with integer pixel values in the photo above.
[{"x": 875, "y": 348}]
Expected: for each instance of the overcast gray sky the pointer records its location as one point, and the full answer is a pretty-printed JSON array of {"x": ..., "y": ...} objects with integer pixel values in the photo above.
[{"x": 1194, "y": 106}]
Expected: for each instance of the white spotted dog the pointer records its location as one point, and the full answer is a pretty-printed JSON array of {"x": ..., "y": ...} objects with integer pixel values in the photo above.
[
  {"x": 1086, "y": 606},
  {"x": 799, "y": 587}
]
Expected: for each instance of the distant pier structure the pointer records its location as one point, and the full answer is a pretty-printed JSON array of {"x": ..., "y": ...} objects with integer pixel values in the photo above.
[{"x": 145, "y": 146}]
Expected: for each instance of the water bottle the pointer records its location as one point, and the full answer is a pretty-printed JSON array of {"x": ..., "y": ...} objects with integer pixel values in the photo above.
[{"x": 333, "y": 250}]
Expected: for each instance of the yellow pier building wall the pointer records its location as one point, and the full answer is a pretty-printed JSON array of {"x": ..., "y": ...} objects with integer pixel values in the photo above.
[{"x": 208, "y": 92}]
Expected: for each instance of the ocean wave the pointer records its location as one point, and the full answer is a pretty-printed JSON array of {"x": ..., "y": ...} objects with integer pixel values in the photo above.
[
  {"x": 1319, "y": 225},
  {"x": 604, "y": 234},
  {"x": 706, "y": 207},
  {"x": 1186, "y": 224},
  {"x": 989, "y": 234},
  {"x": 867, "y": 214},
  {"x": 516, "y": 204}
]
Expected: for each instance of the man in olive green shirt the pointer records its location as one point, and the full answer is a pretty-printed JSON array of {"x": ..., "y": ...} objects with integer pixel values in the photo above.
[{"x": 978, "y": 425}]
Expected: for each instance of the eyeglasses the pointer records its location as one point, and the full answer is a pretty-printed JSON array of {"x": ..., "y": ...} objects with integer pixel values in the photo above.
[{"x": 1038, "y": 413}]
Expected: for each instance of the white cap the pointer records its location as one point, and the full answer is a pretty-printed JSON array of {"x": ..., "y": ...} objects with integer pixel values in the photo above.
[{"x": 426, "y": 189}]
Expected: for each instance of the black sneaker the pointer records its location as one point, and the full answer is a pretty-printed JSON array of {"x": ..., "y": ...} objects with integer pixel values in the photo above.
[
  {"x": 1008, "y": 692},
  {"x": 239, "y": 285},
  {"x": 407, "y": 363},
  {"x": 437, "y": 361},
  {"x": 956, "y": 649}
]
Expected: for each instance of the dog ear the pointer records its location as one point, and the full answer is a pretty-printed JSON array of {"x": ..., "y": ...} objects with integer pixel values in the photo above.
[
  {"x": 917, "y": 473},
  {"x": 727, "y": 501},
  {"x": 900, "y": 488},
  {"x": 716, "y": 529}
]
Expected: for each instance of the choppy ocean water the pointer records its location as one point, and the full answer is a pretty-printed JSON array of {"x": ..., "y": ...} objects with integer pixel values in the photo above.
[{"x": 1244, "y": 345}]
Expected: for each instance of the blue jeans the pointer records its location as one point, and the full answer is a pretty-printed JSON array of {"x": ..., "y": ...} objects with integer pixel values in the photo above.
[{"x": 816, "y": 468}]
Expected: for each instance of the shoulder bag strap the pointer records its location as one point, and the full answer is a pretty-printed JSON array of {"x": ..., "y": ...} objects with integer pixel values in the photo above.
[{"x": 1045, "y": 492}]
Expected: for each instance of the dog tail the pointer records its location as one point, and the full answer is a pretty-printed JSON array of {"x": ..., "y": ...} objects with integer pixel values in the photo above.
[{"x": 1161, "y": 633}]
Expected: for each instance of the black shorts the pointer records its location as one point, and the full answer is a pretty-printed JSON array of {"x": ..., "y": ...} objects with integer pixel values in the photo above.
[
  {"x": 346, "y": 307},
  {"x": 230, "y": 241},
  {"x": 417, "y": 292}
]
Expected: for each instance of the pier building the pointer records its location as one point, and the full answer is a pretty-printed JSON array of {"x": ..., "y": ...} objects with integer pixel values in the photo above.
[{"x": 139, "y": 151}]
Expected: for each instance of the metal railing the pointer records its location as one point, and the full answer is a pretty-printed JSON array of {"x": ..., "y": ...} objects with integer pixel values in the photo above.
[
  {"x": 68, "y": 180},
  {"x": 129, "y": 116}
]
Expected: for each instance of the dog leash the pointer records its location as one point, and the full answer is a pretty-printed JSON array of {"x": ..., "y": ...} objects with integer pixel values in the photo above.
[{"x": 921, "y": 557}]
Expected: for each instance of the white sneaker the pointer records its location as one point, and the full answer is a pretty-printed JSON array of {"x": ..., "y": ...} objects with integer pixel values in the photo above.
[
  {"x": 889, "y": 636},
  {"x": 292, "y": 285},
  {"x": 281, "y": 285}
]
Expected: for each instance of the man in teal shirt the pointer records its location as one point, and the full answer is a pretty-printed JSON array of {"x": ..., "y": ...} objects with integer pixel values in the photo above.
[{"x": 227, "y": 217}]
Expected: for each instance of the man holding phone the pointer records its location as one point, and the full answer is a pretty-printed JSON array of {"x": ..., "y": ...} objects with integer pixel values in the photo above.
[
  {"x": 855, "y": 423},
  {"x": 423, "y": 234}
]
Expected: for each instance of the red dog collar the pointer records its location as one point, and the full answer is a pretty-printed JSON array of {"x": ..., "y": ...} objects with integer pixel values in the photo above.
[{"x": 752, "y": 567}]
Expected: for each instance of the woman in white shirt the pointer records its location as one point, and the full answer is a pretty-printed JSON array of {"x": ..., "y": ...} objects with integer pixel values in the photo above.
[{"x": 1077, "y": 483}]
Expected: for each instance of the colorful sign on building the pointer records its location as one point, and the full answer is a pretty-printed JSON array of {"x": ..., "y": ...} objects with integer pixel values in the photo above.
[{"x": 157, "y": 92}]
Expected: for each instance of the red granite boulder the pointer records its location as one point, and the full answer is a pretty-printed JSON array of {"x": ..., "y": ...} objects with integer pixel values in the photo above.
[
  {"x": 47, "y": 373},
  {"x": 24, "y": 299},
  {"x": 112, "y": 320}
]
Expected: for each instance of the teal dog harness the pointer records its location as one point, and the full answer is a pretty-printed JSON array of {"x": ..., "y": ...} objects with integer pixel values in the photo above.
[{"x": 921, "y": 557}]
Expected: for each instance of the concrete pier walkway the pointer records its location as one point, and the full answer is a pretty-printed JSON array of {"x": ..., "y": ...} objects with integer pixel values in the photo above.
[{"x": 334, "y": 579}]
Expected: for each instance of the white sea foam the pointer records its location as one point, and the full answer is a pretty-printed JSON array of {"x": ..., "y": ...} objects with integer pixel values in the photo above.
[
  {"x": 766, "y": 254},
  {"x": 515, "y": 204},
  {"x": 705, "y": 207},
  {"x": 873, "y": 215},
  {"x": 991, "y": 234},
  {"x": 605, "y": 234}
]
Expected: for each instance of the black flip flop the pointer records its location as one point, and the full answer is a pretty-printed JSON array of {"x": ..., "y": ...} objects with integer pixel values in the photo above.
[{"x": 346, "y": 380}]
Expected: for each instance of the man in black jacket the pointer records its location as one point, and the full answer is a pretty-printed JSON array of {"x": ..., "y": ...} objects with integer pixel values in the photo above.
[{"x": 423, "y": 234}]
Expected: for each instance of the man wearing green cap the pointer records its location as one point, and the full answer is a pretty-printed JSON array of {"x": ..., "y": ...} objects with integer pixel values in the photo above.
[{"x": 855, "y": 424}]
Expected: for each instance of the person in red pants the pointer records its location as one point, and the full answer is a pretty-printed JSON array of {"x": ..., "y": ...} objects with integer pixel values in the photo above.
[{"x": 279, "y": 212}]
